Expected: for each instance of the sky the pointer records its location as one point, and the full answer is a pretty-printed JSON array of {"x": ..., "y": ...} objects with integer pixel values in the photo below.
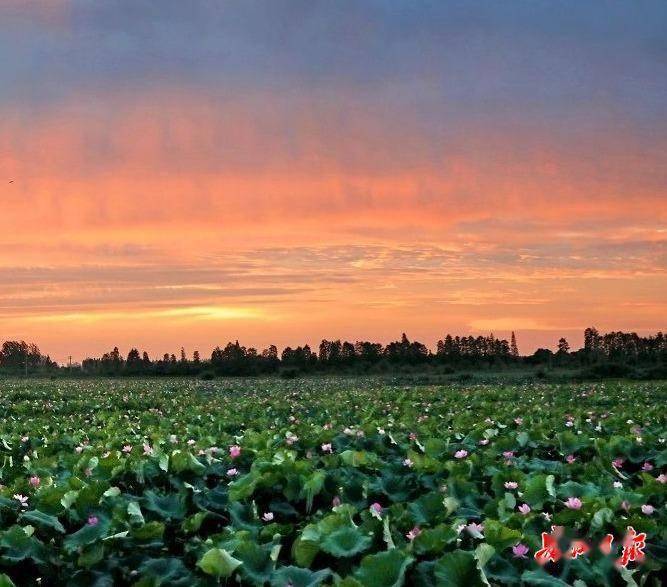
[{"x": 188, "y": 173}]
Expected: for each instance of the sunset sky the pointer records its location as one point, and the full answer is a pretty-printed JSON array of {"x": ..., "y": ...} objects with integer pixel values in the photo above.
[{"x": 192, "y": 172}]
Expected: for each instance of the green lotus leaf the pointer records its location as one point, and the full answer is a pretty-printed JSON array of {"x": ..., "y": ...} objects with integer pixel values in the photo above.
[
  {"x": 166, "y": 571},
  {"x": 243, "y": 488},
  {"x": 429, "y": 509},
  {"x": 542, "y": 579},
  {"x": 87, "y": 535},
  {"x": 180, "y": 462},
  {"x": 257, "y": 562},
  {"x": 43, "y": 520},
  {"x": 345, "y": 542},
  {"x": 297, "y": 577},
  {"x": 434, "y": 540},
  {"x": 384, "y": 569},
  {"x": 169, "y": 506},
  {"x": 218, "y": 562},
  {"x": 459, "y": 569},
  {"x": 17, "y": 546},
  {"x": 499, "y": 536}
]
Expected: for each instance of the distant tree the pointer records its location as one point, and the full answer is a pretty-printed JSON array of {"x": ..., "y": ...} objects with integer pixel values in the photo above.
[
  {"x": 592, "y": 345},
  {"x": 133, "y": 363},
  {"x": 196, "y": 358},
  {"x": 14, "y": 354},
  {"x": 406, "y": 352},
  {"x": 348, "y": 353},
  {"x": 563, "y": 346},
  {"x": 514, "y": 349},
  {"x": 368, "y": 352},
  {"x": 19, "y": 357},
  {"x": 268, "y": 360},
  {"x": 112, "y": 363},
  {"x": 541, "y": 357}
]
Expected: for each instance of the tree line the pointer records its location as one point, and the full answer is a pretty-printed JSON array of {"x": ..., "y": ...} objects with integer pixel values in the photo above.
[
  {"x": 20, "y": 357},
  {"x": 612, "y": 354}
]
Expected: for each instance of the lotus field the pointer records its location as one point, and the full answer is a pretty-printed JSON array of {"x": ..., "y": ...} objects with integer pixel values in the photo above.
[{"x": 331, "y": 482}]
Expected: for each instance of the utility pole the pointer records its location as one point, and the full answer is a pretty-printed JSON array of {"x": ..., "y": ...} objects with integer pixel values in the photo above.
[{"x": 70, "y": 364}]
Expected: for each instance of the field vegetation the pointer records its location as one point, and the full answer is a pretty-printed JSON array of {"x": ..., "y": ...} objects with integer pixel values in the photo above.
[{"x": 327, "y": 481}]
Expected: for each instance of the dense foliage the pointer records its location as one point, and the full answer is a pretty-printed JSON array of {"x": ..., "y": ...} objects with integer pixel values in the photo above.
[{"x": 327, "y": 481}]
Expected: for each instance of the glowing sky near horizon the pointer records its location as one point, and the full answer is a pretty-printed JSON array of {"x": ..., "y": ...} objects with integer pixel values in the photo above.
[{"x": 187, "y": 173}]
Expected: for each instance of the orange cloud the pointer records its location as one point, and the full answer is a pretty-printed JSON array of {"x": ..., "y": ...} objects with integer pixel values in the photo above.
[{"x": 163, "y": 216}]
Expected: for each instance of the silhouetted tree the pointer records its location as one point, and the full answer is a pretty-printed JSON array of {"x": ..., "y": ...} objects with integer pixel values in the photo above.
[{"x": 514, "y": 349}]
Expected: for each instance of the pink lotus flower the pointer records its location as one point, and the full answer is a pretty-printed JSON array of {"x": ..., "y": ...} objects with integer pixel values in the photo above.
[
  {"x": 618, "y": 463},
  {"x": 662, "y": 478},
  {"x": 35, "y": 481},
  {"x": 78, "y": 450},
  {"x": 191, "y": 442},
  {"x": 127, "y": 448},
  {"x": 412, "y": 436},
  {"x": 232, "y": 472},
  {"x": 518, "y": 421},
  {"x": 573, "y": 503},
  {"x": 376, "y": 508},
  {"x": 148, "y": 450},
  {"x": 92, "y": 520},
  {"x": 524, "y": 508},
  {"x": 335, "y": 502},
  {"x": 408, "y": 462},
  {"x": 570, "y": 459},
  {"x": 625, "y": 505},
  {"x": 511, "y": 485},
  {"x": 461, "y": 454},
  {"x": 569, "y": 423},
  {"x": 508, "y": 454},
  {"x": 475, "y": 530},
  {"x": 412, "y": 534},
  {"x": 520, "y": 551},
  {"x": 647, "y": 509},
  {"x": 647, "y": 466},
  {"x": 268, "y": 517},
  {"x": 234, "y": 451},
  {"x": 484, "y": 441},
  {"x": 25, "y": 438},
  {"x": 618, "y": 485},
  {"x": 326, "y": 447}
]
